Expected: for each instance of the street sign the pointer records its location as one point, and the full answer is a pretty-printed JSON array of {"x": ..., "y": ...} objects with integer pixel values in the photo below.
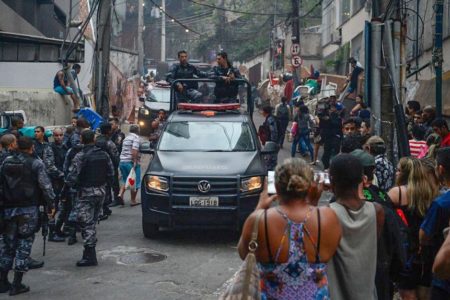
[
  {"x": 295, "y": 49},
  {"x": 296, "y": 61}
]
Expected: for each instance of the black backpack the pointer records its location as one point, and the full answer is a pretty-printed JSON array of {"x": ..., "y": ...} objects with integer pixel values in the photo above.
[{"x": 283, "y": 112}]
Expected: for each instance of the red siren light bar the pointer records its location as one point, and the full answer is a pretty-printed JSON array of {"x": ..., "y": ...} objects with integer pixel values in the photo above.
[{"x": 213, "y": 107}]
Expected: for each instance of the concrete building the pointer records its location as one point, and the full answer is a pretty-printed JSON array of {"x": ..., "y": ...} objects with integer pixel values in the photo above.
[
  {"x": 342, "y": 33},
  {"x": 33, "y": 40},
  {"x": 419, "y": 50}
]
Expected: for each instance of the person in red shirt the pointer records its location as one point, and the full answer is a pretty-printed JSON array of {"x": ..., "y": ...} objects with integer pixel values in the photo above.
[
  {"x": 288, "y": 88},
  {"x": 440, "y": 127}
]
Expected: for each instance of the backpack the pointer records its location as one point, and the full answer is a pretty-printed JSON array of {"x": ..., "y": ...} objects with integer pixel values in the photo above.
[
  {"x": 302, "y": 124},
  {"x": 283, "y": 112}
]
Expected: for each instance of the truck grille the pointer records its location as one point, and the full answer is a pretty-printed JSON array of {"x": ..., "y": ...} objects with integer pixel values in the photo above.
[{"x": 219, "y": 186}]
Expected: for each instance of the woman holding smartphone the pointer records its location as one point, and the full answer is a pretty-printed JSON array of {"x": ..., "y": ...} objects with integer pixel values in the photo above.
[{"x": 296, "y": 239}]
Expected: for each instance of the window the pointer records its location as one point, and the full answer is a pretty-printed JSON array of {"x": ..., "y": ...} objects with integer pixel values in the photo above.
[
  {"x": 345, "y": 10},
  {"x": 328, "y": 24},
  {"x": 27, "y": 52},
  {"x": 48, "y": 53},
  {"x": 357, "y": 5},
  {"x": 9, "y": 51}
]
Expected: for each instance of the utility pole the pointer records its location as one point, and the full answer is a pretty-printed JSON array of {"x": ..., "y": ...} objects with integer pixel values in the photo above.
[
  {"x": 102, "y": 49},
  {"x": 296, "y": 36},
  {"x": 437, "y": 54},
  {"x": 163, "y": 31},
  {"x": 140, "y": 41}
]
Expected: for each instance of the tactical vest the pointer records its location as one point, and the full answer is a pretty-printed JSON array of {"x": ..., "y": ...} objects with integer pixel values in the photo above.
[
  {"x": 94, "y": 169},
  {"x": 20, "y": 183},
  {"x": 59, "y": 153}
]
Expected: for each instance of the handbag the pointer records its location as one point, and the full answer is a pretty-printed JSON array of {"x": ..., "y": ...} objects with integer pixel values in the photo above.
[
  {"x": 131, "y": 180},
  {"x": 245, "y": 284}
]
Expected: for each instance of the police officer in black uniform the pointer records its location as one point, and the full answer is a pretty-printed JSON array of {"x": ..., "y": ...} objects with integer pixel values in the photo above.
[
  {"x": 226, "y": 89},
  {"x": 58, "y": 151},
  {"x": 185, "y": 70},
  {"x": 22, "y": 179},
  {"x": 103, "y": 141},
  {"x": 91, "y": 170}
]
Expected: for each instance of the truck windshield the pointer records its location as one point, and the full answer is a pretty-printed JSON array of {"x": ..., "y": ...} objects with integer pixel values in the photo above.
[
  {"x": 207, "y": 136},
  {"x": 159, "y": 95}
]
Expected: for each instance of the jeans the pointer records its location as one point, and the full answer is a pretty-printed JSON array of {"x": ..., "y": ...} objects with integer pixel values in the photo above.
[
  {"x": 303, "y": 139},
  {"x": 331, "y": 147}
]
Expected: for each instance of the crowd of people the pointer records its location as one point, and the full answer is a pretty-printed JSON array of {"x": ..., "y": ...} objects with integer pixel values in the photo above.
[
  {"x": 69, "y": 183},
  {"x": 381, "y": 232}
]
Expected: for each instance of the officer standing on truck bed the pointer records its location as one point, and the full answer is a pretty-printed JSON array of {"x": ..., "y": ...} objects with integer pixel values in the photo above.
[
  {"x": 185, "y": 70},
  {"x": 91, "y": 170},
  {"x": 22, "y": 179}
]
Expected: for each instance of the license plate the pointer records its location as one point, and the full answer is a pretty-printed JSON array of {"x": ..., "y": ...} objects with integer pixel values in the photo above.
[{"x": 203, "y": 201}]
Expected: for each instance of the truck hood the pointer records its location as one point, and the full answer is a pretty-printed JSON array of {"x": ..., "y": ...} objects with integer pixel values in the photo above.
[{"x": 207, "y": 163}]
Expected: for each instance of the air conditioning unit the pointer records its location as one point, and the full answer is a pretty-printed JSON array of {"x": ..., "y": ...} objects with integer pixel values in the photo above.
[{"x": 336, "y": 37}]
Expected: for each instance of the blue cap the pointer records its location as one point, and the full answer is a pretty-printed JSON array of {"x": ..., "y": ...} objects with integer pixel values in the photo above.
[{"x": 339, "y": 106}]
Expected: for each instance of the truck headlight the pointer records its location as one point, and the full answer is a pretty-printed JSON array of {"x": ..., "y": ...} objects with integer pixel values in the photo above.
[
  {"x": 251, "y": 183},
  {"x": 144, "y": 111},
  {"x": 157, "y": 183}
]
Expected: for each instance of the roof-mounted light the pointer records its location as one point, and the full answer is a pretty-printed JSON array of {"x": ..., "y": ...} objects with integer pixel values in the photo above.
[{"x": 209, "y": 107}]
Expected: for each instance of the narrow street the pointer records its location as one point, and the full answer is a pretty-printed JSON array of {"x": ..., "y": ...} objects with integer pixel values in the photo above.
[{"x": 182, "y": 264}]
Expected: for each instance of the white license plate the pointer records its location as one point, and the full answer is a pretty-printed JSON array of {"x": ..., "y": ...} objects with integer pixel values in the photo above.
[{"x": 203, "y": 201}]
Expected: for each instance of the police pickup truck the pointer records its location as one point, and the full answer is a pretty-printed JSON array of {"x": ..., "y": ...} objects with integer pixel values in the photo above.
[{"x": 207, "y": 169}]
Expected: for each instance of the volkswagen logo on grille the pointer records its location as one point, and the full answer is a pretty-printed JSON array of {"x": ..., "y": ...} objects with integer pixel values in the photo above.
[{"x": 204, "y": 186}]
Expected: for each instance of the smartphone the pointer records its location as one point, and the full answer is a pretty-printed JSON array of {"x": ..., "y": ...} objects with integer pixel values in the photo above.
[
  {"x": 271, "y": 183},
  {"x": 322, "y": 177}
]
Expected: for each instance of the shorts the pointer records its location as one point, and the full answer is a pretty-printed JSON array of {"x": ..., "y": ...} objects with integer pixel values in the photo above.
[
  {"x": 125, "y": 168},
  {"x": 418, "y": 273},
  {"x": 59, "y": 89}
]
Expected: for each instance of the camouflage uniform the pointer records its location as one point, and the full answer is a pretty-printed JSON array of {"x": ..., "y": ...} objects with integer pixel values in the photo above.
[
  {"x": 90, "y": 198},
  {"x": 68, "y": 211},
  {"x": 105, "y": 143},
  {"x": 21, "y": 216}
]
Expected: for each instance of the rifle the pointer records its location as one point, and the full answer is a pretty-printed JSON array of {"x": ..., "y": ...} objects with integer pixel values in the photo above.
[{"x": 44, "y": 226}]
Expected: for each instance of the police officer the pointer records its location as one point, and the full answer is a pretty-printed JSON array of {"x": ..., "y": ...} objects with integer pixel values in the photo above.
[
  {"x": 90, "y": 171},
  {"x": 226, "y": 89},
  {"x": 103, "y": 141},
  {"x": 185, "y": 70},
  {"x": 74, "y": 138},
  {"x": 68, "y": 212},
  {"x": 56, "y": 161},
  {"x": 22, "y": 178},
  {"x": 40, "y": 144},
  {"x": 9, "y": 144},
  {"x": 271, "y": 129}
]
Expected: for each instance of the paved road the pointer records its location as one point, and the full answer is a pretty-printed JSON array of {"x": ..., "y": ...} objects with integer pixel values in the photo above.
[{"x": 178, "y": 265}]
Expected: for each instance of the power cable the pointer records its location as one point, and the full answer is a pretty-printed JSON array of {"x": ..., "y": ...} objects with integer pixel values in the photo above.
[
  {"x": 238, "y": 11},
  {"x": 175, "y": 20}
]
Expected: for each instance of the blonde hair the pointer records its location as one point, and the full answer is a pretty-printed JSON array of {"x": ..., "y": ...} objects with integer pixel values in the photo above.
[
  {"x": 420, "y": 191},
  {"x": 293, "y": 178}
]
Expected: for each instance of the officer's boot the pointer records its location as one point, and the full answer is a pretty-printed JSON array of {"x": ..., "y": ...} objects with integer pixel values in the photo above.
[
  {"x": 34, "y": 264},
  {"x": 72, "y": 234},
  {"x": 89, "y": 257},
  {"x": 5, "y": 285},
  {"x": 53, "y": 235},
  {"x": 17, "y": 287}
]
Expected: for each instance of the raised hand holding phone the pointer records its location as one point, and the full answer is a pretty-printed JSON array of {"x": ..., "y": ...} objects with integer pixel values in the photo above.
[{"x": 265, "y": 201}]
